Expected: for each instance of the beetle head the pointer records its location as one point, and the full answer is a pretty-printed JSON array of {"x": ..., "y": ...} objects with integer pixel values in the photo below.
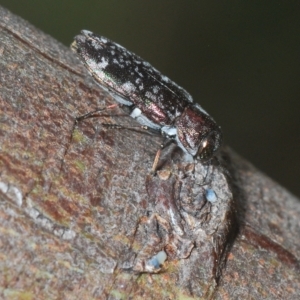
[{"x": 197, "y": 133}]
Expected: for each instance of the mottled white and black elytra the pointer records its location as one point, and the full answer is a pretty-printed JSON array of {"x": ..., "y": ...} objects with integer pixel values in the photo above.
[{"x": 154, "y": 100}]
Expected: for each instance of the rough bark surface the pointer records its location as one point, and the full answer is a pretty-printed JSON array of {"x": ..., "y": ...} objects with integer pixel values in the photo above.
[{"x": 74, "y": 198}]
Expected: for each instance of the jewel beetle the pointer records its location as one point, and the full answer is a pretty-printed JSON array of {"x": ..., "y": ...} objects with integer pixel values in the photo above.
[{"x": 153, "y": 99}]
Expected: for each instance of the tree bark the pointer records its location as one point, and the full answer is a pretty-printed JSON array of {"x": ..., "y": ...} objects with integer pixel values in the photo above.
[{"x": 81, "y": 213}]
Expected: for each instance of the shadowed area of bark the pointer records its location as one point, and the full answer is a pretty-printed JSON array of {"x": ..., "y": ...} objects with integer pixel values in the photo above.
[{"x": 73, "y": 197}]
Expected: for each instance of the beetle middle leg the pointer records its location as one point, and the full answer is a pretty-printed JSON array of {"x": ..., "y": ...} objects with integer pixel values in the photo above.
[
  {"x": 145, "y": 126},
  {"x": 98, "y": 113}
]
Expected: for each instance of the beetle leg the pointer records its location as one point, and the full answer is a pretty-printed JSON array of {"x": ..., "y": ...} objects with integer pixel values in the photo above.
[
  {"x": 166, "y": 142},
  {"x": 95, "y": 113}
]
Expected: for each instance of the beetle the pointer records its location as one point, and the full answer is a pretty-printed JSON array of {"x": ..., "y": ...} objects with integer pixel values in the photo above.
[{"x": 153, "y": 99}]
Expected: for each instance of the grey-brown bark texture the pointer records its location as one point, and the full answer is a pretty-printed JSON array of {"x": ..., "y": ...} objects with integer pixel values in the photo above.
[{"x": 81, "y": 216}]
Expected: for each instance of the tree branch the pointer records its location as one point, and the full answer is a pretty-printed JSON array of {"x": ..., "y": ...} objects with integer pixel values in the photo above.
[{"x": 81, "y": 214}]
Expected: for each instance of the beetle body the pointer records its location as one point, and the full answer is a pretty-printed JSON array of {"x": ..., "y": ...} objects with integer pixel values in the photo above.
[{"x": 154, "y": 100}]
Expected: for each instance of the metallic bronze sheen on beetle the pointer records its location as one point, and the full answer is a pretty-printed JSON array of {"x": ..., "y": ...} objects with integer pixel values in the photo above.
[{"x": 153, "y": 99}]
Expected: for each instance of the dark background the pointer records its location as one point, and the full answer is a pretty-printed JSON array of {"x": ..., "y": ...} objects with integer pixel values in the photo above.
[{"x": 239, "y": 59}]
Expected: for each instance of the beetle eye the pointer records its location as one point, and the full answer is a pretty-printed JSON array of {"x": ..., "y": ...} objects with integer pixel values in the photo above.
[
  {"x": 209, "y": 145},
  {"x": 206, "y": 150}
]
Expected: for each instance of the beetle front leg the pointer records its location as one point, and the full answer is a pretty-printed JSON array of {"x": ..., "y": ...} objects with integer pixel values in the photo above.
[{"x": 166, "y": 142}]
